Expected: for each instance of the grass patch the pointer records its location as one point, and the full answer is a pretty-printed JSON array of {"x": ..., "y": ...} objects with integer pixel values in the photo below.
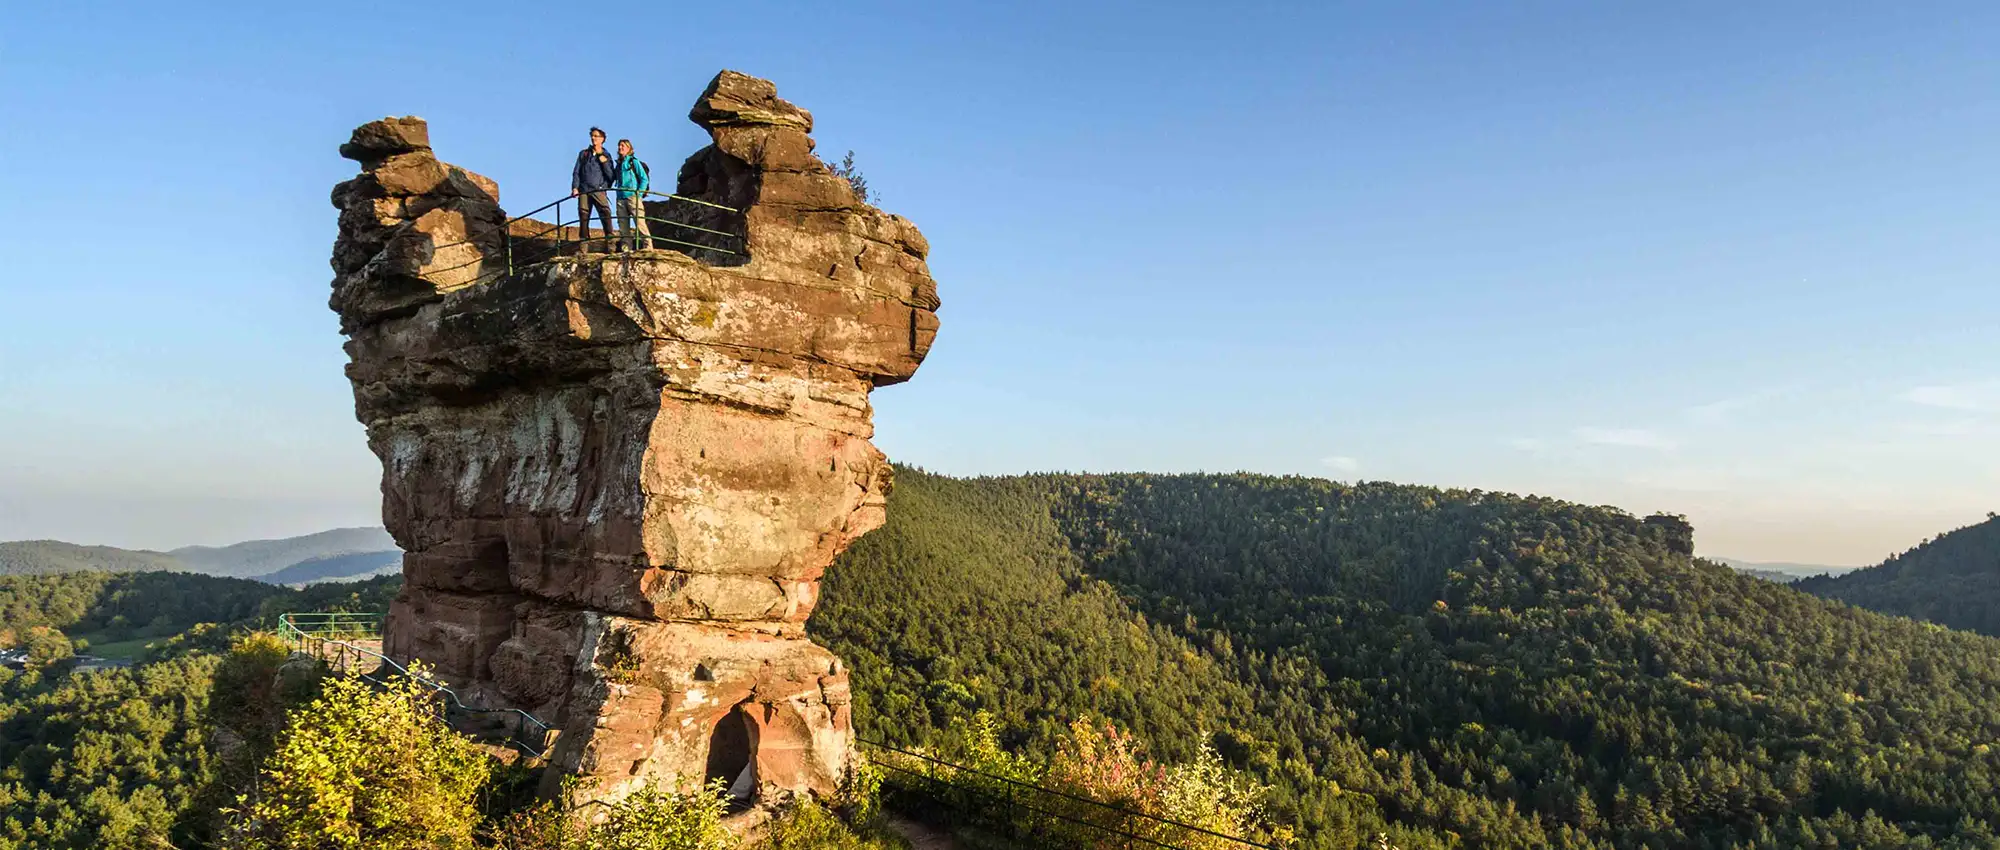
[
  {"x": 123, "y": 649},
  {"x": 119, "y": 649}
]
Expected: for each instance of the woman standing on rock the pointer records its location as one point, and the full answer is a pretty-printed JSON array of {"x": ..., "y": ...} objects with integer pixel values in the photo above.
[{"x": 634, "y": 179}]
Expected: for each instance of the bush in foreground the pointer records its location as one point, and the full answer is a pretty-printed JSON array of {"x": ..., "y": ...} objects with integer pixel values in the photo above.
[
  {"x": 806, "y": 825},
  {"x": 651, "y": 818},
  {"x": 364, "y": 768},
  {"x": 1100, "y": 790}
]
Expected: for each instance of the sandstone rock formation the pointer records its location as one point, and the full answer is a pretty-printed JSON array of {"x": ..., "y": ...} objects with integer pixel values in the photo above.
[{"x": 618, "y": 478}]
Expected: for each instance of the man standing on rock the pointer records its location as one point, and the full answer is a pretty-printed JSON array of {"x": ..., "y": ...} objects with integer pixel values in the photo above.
[
  {"x": 588, "y": 181},
  {"x": 634, "y": 179}
]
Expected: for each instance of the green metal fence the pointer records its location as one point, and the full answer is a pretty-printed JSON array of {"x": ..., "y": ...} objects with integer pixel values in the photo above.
[{"x": 543, "y": 241}]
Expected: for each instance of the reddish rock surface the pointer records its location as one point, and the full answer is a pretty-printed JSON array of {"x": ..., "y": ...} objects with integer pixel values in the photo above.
[{"x": 619, "y": 478}]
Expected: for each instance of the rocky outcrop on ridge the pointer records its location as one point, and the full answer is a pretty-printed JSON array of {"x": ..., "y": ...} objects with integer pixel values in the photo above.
[{"x": 618, "y": 478}]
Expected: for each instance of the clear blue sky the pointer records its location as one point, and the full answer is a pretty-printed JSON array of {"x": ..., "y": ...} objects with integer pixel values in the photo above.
[{"x": 1735, "y": 260}]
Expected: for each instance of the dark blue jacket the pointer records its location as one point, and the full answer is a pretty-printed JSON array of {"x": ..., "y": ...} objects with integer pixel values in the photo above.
[{"x": 593, "y": 174}]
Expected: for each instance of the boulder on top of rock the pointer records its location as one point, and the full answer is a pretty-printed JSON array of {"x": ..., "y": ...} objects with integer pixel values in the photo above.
[
  {"x": 734, "y": 99},
  {"x": 378, "y": 140},
  {"x": 411, "y": 227}
]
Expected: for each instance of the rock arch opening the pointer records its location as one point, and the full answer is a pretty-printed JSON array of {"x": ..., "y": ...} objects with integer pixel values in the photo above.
[{"x": 732, "y": 756}]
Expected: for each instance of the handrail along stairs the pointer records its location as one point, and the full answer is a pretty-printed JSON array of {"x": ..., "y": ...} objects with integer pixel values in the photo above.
[{"x": 314, "y": 634}]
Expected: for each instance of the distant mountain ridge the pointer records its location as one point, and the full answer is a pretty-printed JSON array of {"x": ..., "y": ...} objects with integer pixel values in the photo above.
[
  {"x": 261, "y": 557},
  {"x": 338, "y": 553},
  {"x": 337, "y": 568},
  {"x": 1782, "y": 572},
  {"x": 1767, "y": 575}
]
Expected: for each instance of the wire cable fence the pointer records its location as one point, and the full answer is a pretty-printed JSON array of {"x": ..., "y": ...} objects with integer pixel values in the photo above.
[
  {"x": 340, "y": 640},
  {"x": 1024, "y": 811},
  {"x": 527, "y": 241}
]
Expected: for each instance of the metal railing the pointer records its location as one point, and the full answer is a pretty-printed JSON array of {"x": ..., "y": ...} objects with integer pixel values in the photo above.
[
  {"x": 553, "y": 240},
  {"x": 339, "y": 639},
  {"x": 962, "y": 788}
]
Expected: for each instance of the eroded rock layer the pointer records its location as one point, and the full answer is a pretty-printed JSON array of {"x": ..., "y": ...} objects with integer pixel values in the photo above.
[{"x": 619, "y": 478}]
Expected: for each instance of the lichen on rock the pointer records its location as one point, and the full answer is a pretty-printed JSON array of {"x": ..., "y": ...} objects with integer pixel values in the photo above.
[{"x": 619, "y": 478}]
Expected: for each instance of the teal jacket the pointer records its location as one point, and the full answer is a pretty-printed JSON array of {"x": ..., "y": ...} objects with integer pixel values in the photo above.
[{"x": 632, "y": 174}]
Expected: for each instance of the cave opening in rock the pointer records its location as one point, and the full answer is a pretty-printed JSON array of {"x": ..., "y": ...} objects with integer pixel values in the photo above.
[{"x": 732, "y": 748}]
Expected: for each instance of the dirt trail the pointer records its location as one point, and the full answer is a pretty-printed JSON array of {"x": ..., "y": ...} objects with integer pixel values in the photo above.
[{"x": 922, "y": 836}]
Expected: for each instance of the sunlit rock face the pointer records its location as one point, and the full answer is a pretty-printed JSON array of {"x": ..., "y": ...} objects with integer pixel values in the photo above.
[{"x": 619, "y": 478}]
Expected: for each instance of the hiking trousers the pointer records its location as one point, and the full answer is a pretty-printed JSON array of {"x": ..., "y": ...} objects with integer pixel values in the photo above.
[
  {"x": 584, "y": 203},
  {"x": 632, "y": 221}
]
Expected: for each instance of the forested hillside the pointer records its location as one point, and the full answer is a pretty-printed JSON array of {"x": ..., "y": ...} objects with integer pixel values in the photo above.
[
  {"x": 114, "y": 758},
  {"x": 42, "y": 557},
  {"x": 1953, "y": 579},
  {"x": 1485, "y": 670},
  {"x": 150, "y": 604},
  {"x": 1444, "y": 668},
  {"x": 969, "y": 599}
]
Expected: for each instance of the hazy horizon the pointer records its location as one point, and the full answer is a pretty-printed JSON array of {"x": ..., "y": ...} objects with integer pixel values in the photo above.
[
  {"x": 1730, "y": 262},
  {"x": 168, "y": 547},
  {"x": 154, "y": 543}
]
